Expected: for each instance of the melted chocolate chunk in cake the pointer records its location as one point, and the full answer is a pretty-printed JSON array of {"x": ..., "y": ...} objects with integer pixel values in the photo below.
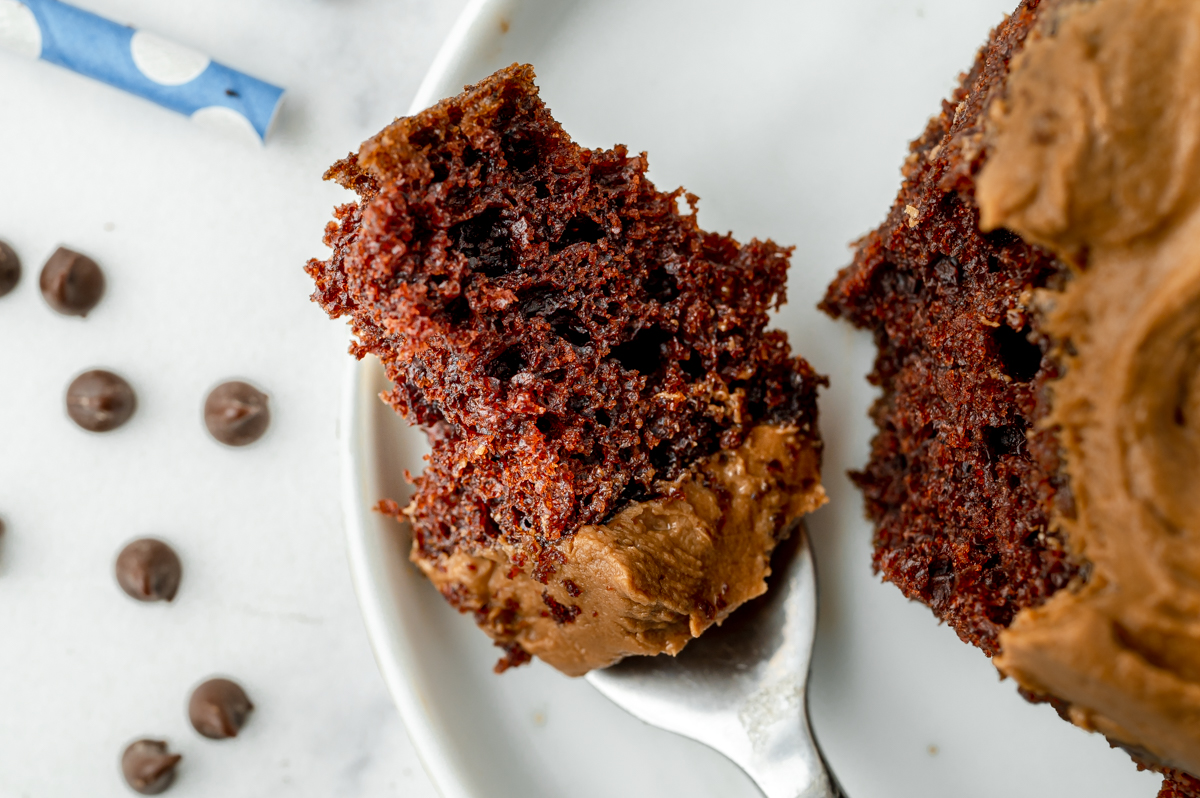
[{"x": 592, "y": 369}]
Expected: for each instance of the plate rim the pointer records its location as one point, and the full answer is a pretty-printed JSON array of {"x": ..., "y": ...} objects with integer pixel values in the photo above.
[{"x": 394, "y": 653}]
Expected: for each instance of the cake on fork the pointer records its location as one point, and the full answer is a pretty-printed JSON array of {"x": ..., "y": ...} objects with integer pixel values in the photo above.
[{"x": 618, "y": 442}]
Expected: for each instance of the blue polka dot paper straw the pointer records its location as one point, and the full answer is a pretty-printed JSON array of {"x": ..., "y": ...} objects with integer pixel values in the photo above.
[{"x": 169, "y": 74}]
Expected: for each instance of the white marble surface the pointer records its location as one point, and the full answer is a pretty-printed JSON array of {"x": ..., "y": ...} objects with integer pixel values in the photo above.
[{"x": 202, "y": 240}]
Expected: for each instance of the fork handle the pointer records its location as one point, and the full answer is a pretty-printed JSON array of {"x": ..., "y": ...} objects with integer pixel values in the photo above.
[{"x": 787, "y": 763}]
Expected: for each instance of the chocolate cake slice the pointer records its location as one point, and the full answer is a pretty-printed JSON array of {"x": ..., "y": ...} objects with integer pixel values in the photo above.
[
  {"x": 618, "y": 442},
  {"x": 961, "y": 483},
  {"x": 1035, "y": 297}
]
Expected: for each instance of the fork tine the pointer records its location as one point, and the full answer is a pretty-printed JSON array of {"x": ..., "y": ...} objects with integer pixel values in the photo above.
[{"x": 741, "y": 688}]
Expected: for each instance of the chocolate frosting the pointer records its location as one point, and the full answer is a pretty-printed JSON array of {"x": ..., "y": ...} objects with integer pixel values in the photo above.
[
  {"x": 1095, "y": 154},
  {"x": 655, "y": 575}
]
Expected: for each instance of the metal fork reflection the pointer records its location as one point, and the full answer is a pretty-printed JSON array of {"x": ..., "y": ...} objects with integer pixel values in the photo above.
[{"x": 741, "y": 689}]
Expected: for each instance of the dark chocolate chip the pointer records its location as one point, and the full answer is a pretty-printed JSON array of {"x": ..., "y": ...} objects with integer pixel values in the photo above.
[
  {"x": 10, "y": 269},
  {"x": 236, "y": 413},
  {"x": 219, "y": 708},
  {"x": 72, "y": 283},
  {"x": 100, "y": 401},
  {"x": 149, "y": 570},
  {"x": 148, "y": 767}
]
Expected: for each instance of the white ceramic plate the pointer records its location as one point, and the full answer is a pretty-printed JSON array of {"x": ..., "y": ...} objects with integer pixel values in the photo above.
[{"x": 790, "y": 120}]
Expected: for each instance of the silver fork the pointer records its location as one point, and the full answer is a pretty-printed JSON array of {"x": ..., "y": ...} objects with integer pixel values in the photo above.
[{"x": 742, "y": 687}]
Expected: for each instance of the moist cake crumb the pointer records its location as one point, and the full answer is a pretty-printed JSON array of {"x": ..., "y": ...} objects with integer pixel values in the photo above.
[{"x": 571, "y": 341}]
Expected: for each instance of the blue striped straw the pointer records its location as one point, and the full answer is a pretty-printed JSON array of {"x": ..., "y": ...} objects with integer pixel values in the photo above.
[{"x": 141, "y": 63}]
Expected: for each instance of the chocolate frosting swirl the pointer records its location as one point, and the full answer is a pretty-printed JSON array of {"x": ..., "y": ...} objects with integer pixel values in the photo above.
[{"x": 1095, "y": 154}]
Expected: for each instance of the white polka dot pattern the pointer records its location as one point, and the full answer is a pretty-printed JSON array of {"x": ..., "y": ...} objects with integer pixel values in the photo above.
[
  {"x": 227, "y": 122},
  {"x": 172, "y": 75},
  {"x": 19, "y": 31},
  {"x": 164, "y": 61}
]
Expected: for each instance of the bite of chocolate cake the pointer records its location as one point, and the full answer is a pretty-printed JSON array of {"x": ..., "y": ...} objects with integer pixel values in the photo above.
[{"x": 618, "y": 441}]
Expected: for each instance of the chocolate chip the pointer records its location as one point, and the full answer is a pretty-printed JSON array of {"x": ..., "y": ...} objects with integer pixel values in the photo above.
[
  {"x": 149, "y": 570},
  {"x": 10, "y": 269},
  {"x": 100, "y": 401},
  {"x": 72, "y": 283},
  {"x": 236, "y": 413},
  {"x": 219, "y": 708},
  {"x": 148, "y": 767}
]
